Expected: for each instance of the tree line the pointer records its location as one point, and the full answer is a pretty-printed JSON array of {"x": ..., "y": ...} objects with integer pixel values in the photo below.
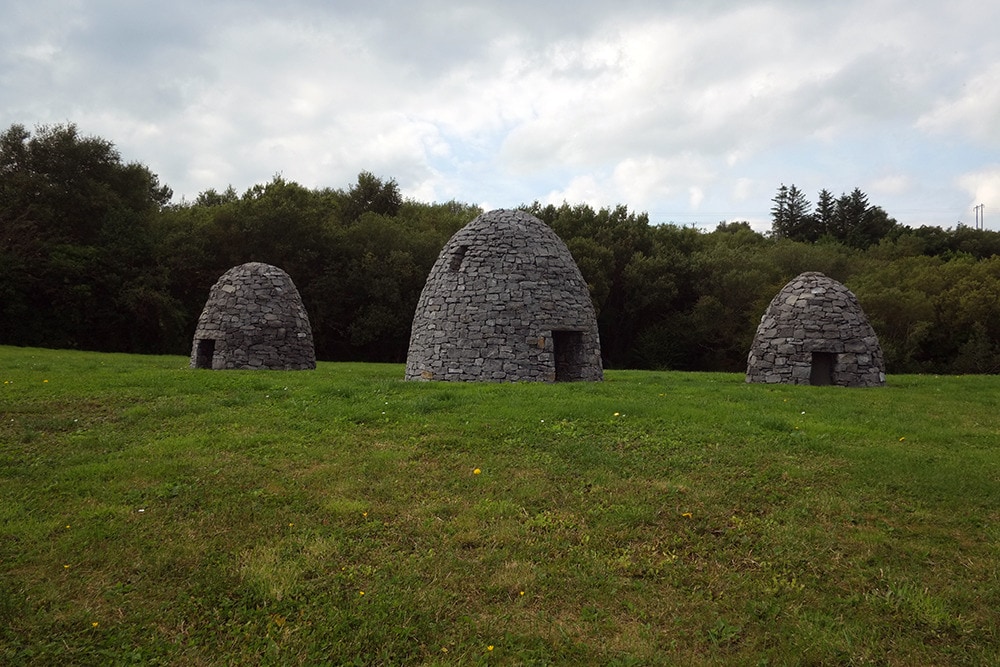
[
  {"x": 94, "y": 254},
  {"x": 849, "y": 218}
]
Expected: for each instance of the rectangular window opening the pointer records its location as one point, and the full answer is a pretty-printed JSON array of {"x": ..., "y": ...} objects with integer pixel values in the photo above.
[{"x": 457, "y": 258}]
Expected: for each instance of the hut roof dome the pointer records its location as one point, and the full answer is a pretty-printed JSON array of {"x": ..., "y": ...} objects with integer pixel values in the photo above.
[
  {"x": 814, "y": 319},
  {"x": 253, "y": 318},
  {"x": 501, "y": 295}
]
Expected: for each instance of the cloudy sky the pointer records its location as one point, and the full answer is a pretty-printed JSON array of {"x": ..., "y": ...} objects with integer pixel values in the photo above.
[{"x": 694, "y": 111}]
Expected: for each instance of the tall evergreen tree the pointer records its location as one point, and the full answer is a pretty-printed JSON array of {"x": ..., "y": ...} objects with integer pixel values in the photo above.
[
  {"x": 859, "y": 224},
  {"x": 849, "y": 213},
  {"x": 826, "y": 209},
  {"x": 790, "y": 216},
  {"x": 779, "y": 212}
]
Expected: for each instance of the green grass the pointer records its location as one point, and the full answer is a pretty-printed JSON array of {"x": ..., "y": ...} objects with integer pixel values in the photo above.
[{"x": 153, "y": 514}]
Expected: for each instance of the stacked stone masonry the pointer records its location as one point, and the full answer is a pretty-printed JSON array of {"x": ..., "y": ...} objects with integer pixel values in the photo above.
[
  {"x": 254, "y": 319},
  {"x": 505, "y": 302},
  {"x": 815, "y": 332}
]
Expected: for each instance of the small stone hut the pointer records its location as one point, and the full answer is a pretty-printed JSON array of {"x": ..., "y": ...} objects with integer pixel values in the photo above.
[
  {"x": 254, "y": 319},
  {"x": 814, "y": 332},
  {"x": 505, "y": 302}
]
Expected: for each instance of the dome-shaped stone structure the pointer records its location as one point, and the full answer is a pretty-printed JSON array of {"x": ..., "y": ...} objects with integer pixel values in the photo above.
[
  {"x": 814, "y": 332},
  {"x": 505, "y": 302},
  {"x": 254, "y": 319}
]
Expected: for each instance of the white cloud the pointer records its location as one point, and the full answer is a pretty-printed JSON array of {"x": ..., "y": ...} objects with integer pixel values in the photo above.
[
  {"x": 696, "y": 196},
  {"x": 680, "y": 108},
  {"x": 973, "y": 113},
  {"x": 984, "y": 188},
  {"x": 893, "y": 184},
  {"x": 586, "y": 189},
  {"x": 743, "y": 189}
]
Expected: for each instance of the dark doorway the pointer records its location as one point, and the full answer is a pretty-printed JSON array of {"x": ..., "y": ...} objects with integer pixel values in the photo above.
[
  {"x": 567, "y": 349},
  {"x": 821, "y": 373},
  {"x": 205, "y": 354}
]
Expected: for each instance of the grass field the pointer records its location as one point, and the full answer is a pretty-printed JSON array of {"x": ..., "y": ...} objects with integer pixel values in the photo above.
[{"x": 153, "y": 514}]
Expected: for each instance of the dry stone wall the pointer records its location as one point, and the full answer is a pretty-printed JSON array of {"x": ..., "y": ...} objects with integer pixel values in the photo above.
[
  {"x": 815, "y": 332},
  {"x": 505, "y": 302},
  {"x": 254, "y": 319}
]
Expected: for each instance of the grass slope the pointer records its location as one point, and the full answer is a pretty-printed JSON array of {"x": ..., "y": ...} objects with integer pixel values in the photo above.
[{"x": 153, "y": 514}]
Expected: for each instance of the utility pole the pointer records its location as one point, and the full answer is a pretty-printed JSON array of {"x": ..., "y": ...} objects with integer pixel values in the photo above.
[{"x": 980, "y": 216}]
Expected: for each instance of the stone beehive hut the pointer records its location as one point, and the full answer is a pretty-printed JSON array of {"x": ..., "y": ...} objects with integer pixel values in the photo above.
[
  {"x": 505, "y": 302},
  {"x": 254, "y": 319},
  {"x": 814, "y": 332}
]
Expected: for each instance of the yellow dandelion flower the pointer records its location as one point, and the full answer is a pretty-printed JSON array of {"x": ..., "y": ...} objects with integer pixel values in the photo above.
[
  {"x": 65, "y": 567},
  {"x": 476, "y": 471},
  {"x": 617, "y": 414},
  {"x": 902, "y": 439},
  {"x": 490, "y": 647},
  {"x": 688, "y": 515},
  {"x": 44, "y": 381},
  {"x": 361, "y": 594},
  {"x": 521, "y": 593},
  {"x": 94, "y": 624}
]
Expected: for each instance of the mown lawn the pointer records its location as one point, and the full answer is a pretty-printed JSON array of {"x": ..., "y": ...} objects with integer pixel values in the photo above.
[{"x": 153, "y": 514}]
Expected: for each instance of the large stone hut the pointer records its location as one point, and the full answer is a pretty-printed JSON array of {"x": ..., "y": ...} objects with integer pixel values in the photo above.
[
  {"x": 505, "y": 302},
  {"x": 814, "y": 332},
  {"x": 253, "y": 319}
]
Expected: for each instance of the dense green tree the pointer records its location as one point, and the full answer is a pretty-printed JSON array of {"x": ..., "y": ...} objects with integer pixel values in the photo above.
[
  {"x": 874, "y": 226},
  {"x": 371, "y": 194},
  {"x": 849, "y": 212},
  {"x": 929, "y": 312},
  {"x": 825, "y": 213},
  {"x": 76, "y": 235},
  {"x": 859, "y": 224},
  {"x": 849, "y": 219},
  {"x": 978, "y": 354},
  {"x": 211, "y": 197},
  {"x": 790, "y": 216},
  {"x": 936, "y": 241}
]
